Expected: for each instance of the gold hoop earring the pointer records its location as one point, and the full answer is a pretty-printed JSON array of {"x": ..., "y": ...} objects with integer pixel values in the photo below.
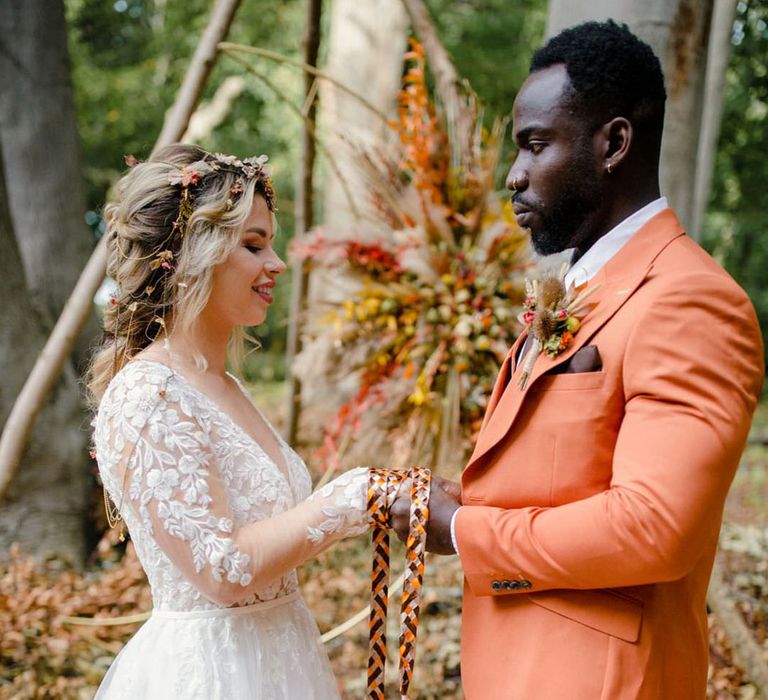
[{"x": 610, "y": 168}]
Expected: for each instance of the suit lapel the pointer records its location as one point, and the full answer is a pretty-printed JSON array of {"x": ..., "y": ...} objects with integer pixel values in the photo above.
[
  {"x": 502, "y": 379},
  {"x": 618, "y": 280}
]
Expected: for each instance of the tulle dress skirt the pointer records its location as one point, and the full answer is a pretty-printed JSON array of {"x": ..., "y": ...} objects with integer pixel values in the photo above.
[{"x": 266, "y": 651}]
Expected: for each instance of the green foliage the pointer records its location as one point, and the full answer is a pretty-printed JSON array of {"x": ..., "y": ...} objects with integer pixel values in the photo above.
[
  {"x": 735, "y": 229},
  {"x": 129, "y": 58},
  {"x": 491, "y": 42}
]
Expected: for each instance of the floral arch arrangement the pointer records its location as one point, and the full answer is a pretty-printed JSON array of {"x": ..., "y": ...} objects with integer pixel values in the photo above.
[{"x": 436, "y": 280}]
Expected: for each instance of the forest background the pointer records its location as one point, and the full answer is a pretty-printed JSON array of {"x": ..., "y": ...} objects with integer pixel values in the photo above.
[{"x": 126, "y": 61}]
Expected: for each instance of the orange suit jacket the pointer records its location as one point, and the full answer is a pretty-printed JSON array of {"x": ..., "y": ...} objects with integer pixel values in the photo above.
[{"x": 593, "y": 501}]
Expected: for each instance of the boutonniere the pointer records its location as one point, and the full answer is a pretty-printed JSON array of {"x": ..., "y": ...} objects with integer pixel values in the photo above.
[{"x": 552, "y": 317}]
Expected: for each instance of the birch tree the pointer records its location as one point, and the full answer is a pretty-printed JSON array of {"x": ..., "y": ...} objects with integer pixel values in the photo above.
[{"x": 365, "y": 52}]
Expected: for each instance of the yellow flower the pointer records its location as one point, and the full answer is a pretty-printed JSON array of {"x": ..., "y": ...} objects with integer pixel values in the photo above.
[
  {"x": 483, "y": 342},
  {"x": 418, "y": 397}
]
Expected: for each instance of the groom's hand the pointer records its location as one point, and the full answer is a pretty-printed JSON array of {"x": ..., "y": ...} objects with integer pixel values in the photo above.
[{"x": 444, "y": 500}]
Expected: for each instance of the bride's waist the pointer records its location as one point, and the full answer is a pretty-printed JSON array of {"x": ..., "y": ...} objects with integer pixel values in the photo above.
[{"x": 227, "y": 612}]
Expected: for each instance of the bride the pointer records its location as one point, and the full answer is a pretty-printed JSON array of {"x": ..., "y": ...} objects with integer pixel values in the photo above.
[{"x": 217, "y": 505}]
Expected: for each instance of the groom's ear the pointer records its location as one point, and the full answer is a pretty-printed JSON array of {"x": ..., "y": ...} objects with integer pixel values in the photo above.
[{"x": 617, "y": 136}]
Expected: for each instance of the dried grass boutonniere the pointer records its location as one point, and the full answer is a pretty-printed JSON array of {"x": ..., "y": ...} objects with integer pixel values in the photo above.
[{"x": 551, "y": 316}]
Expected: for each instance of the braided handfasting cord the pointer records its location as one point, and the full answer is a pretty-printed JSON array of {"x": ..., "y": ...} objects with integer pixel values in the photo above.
[{"x": 382, "y": 487}]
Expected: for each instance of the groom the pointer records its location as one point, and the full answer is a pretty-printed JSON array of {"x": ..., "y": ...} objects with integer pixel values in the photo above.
[{"x": 591, "y": 507}]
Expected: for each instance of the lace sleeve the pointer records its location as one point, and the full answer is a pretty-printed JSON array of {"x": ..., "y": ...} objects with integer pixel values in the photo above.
[{"x": 162, "y": 454}]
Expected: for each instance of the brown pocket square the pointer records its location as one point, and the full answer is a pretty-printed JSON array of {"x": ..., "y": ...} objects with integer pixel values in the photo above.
[{"x": 587, "y": 359}]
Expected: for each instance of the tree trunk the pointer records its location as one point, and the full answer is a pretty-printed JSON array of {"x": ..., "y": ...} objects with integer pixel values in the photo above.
[
  {"x": 45, "y": 506},
  {"x": 714, "y": 89},
  {"x": 45, "y": 189},
  {"x": 305, "y": 214},
  {"x": 366, "y": 45},
  {"x": 678, "y": 31}
]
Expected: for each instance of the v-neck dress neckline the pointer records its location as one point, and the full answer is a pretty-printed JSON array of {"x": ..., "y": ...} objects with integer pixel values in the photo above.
[{"x": 283, "y": 469}]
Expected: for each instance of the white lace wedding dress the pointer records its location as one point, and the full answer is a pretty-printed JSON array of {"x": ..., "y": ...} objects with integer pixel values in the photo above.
[{"x": 219, "y": 528}]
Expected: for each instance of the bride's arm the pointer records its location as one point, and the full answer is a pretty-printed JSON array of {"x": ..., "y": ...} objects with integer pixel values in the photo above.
[{"x": 174, "y": 485}]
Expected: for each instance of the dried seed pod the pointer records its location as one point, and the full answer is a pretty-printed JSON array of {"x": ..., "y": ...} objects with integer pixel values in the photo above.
[
  {"x": 544, "y": 325},
  {"x": 552, "y": 292}
]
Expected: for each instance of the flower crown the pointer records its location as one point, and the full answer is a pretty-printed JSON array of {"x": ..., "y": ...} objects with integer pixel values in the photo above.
[
  {"x": 248, "y": 169},
  {"x": 190, "y": 176}
]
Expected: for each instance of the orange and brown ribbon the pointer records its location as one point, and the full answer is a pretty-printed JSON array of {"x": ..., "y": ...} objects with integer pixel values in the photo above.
[{"x": 382, "y": 487}]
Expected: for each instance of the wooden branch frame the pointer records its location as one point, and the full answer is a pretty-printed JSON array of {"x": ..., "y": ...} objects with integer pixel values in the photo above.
[
  {"x": 198, "y": 73},
  {"x": 230, "y": 48}
]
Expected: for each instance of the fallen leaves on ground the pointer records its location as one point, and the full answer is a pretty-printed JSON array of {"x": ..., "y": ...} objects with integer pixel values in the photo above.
[{"x": 41, "y": 656}]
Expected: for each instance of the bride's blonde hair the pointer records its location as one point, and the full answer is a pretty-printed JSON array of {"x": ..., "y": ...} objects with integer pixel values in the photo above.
[{"x": 173, "y": 218}]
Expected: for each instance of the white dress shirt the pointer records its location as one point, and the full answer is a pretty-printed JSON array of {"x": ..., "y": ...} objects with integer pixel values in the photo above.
[{"x": 589, "y": 264}]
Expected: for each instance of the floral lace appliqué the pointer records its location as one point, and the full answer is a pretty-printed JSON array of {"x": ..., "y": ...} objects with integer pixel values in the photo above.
[{"x": 163, "y": 442}]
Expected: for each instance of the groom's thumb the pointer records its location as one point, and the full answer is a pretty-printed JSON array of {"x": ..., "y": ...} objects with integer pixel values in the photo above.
[{"x": 452, "y": 488}]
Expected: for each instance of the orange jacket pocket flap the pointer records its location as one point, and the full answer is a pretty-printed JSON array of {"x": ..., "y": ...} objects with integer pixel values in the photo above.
[{"x": 601, "y": 610}]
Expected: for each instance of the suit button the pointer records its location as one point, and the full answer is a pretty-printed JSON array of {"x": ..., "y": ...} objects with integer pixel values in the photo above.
[
  {"x": 525, "y": 584},
  {"x": 496, "y": 585}
]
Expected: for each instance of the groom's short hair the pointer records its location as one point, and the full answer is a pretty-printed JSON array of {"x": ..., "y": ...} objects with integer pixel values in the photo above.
[{"x": 612, "y": 73}]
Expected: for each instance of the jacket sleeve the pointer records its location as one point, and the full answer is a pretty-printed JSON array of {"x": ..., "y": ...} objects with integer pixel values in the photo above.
[
  {"x": 685, "y": 423},
  {"x": 163, "y": 457}
]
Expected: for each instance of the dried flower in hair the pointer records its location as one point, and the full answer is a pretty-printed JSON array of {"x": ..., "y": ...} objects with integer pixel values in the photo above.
[
  {"x": 162, "y": 259},
  {"x": 190, "y": 177}
]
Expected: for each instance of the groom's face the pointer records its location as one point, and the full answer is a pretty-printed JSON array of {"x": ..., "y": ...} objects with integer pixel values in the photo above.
[{"x": 556, "y": 178}]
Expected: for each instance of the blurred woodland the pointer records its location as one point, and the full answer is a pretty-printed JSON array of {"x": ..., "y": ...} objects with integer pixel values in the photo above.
[{"x": 83, "y": 83}]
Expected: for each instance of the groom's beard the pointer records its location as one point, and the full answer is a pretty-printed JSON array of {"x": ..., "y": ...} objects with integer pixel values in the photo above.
[{"x": 578, "y": 196}]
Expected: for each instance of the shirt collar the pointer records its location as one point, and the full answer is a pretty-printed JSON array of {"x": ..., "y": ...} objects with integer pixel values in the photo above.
[{"x": 589, "y": 264}]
